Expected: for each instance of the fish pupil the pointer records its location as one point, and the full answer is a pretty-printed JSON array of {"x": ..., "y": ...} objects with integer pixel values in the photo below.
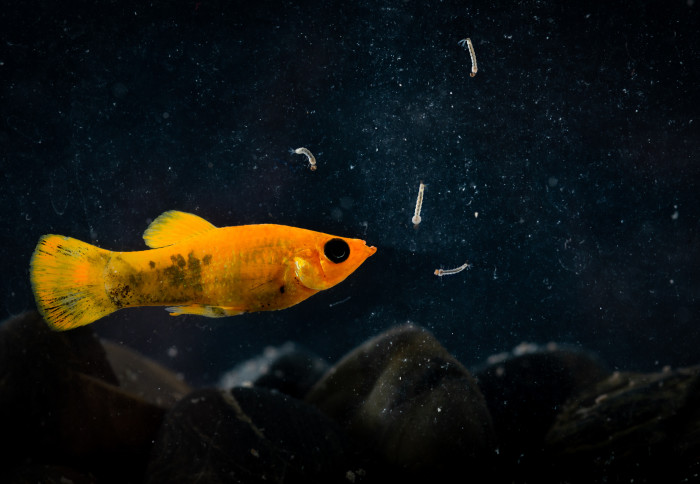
[{"x": 337, "y": 250}]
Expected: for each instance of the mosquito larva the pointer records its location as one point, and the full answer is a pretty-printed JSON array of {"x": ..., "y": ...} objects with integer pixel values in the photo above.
[
  {"x": 447, "y": 272},
  {"x": 419, "y": 204},
  {"x": 468, "y": 43},
  {"x": 473, "y": 56},
  {"x": 311, "y": 158}
]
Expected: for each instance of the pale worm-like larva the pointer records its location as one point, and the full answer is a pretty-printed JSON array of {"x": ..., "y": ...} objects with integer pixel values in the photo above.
[
  {"x": 447, "y": 272},
  {"x": 309, "y": 155},
  {"x": 419, "y": 204},
  {"x": 468, "y": 43}
]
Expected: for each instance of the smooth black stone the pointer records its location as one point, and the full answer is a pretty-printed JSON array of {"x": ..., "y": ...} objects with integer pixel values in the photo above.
[
  {"x": 524, "y": 393},
  {"x": 631, "y": 428},
  {"x": 47, "y": 474},
  {"x": 144, "y": 377},
  {"x": 250, "y": 435},
  {"x": 60, "y": 404},
  {"x": 289, "y": 369},
  {"x": 293, "y": 373},
  {"x": 412, "y": 404}
]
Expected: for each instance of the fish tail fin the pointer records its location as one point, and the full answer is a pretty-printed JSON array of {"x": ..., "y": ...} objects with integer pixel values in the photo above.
[{"x": 68, "y": 282}]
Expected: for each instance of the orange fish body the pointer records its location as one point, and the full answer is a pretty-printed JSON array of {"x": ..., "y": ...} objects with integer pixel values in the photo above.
[{"x": 193, "y": 267}]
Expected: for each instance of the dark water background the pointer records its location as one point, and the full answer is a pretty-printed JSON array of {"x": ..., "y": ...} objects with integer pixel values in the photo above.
[{"x": 577, "y": 143}]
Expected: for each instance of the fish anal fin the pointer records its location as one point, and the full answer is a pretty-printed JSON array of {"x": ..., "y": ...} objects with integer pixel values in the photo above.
[
  {"x": 201, "y": 310},
  {"x": 172, "y": 227}
]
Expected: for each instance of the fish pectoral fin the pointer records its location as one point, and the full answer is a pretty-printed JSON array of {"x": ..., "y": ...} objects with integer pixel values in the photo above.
[
  {"x": 201, "y": 310},
  {"x": 309, "y": 275}
]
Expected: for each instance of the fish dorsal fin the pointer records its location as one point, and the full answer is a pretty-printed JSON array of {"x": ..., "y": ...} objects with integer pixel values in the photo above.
[{"x": 172, "y": 227}]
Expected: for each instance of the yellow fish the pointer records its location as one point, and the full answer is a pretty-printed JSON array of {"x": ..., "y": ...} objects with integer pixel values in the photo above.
[{"x": 192, "y": 266}]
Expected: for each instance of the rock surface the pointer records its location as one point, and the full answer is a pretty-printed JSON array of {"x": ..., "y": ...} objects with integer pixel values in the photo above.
[
  {"x": 397, "y": 408},
  {"x": 250, "y": 435},
  {"x": 631, "y": 428},
  {"x": 60, "y": 403},
  {"x": 143, "y": 377},
  {"x": 289, "y": 368},
  {"x": 408, "y": 400},
  {"x": 524, "y": 391}
]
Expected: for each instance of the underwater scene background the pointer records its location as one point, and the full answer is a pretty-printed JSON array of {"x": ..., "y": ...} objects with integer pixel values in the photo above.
[
  {"x": 576, "y": 144},
  {"x": 565, "y": 171}
]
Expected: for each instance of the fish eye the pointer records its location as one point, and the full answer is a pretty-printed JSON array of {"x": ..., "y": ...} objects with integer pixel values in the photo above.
[{"x": 337, "y": 250}]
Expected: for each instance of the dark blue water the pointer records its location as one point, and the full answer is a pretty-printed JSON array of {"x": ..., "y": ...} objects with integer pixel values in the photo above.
[{"x": 566, "y": 171}]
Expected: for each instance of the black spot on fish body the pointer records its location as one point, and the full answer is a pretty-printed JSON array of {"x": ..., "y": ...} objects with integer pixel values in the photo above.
[
  {"x": 136, "y": 279},
  {"x": 281, "y": 289},
  {"x": 175, "y": 275},
  {"x": 152, "y": 264},
  {"x": 193, "y": 264},
  {"x": 185, "y": 274},
  {"x": 119, "y": 294},
  {"x": 179, "y": 260},
  {"x": 206, "y": 260},
  {"x": 195, "y": 272}
]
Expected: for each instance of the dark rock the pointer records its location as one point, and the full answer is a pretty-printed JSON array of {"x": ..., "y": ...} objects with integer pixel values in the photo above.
[
  {"x": 293, "y": 373},
  {"x": 406, "y": 398},
  {"x": 59, "y": 404},
  {"x": 143, "y": 377},
  {"x": 47, "y": 474},
  {"x": 250, "y": 435},
  {"x": 631, "y": 428},
  {"x": 525, "y": 390},
  {"x": 289, "y": 369}
]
